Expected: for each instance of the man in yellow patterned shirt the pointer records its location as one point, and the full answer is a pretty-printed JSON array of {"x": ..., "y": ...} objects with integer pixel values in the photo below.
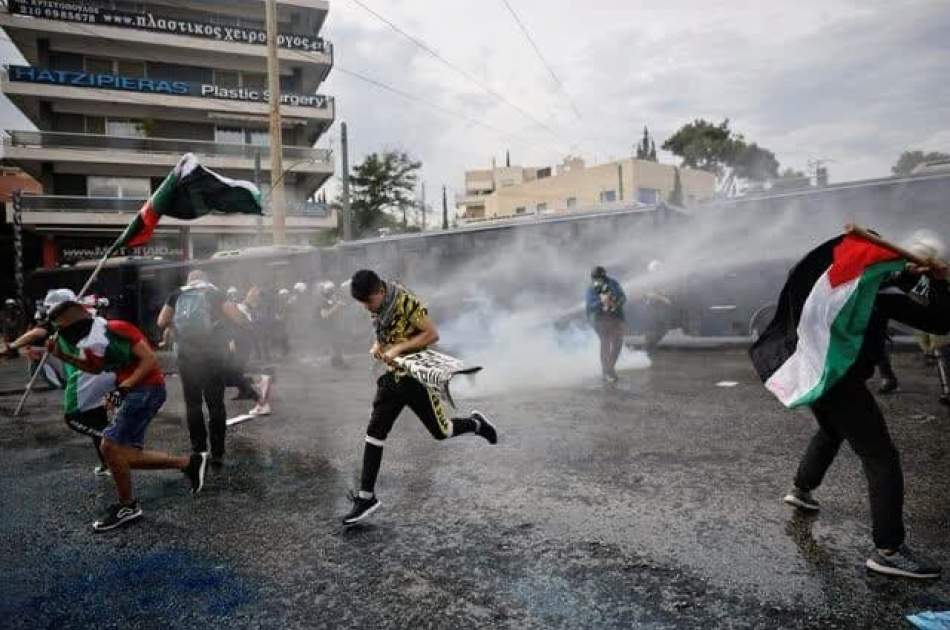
[{"x": 403, "y": 327}]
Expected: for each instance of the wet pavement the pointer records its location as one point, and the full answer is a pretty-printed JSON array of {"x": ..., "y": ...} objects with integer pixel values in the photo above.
[{"x": 653, "y": 504}]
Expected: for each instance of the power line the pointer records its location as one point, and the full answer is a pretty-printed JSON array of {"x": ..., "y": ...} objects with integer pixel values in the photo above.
[
  {"x": 444, "y": 110},
  {"x": 531, "y": 41},
  {"x": 460, "y": 71}
]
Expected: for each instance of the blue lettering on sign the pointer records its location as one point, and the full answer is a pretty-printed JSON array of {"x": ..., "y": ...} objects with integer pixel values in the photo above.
[{"x": 104, "y": 81}]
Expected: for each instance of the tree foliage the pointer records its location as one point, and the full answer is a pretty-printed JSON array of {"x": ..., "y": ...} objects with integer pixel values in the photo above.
[
  {"x": 382, "y": 190},
  {"x": 714, "y": 148},
  {"x": 646, "y": 148},
  {"x": 911, "y": 159}
]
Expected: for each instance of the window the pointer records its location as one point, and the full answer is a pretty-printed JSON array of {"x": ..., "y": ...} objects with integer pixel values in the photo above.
[
  {"x": 99, "y": 65},
  {"x": 230, "y": 135},
  {"x": 648, "y": 195},
  {"x": 227, "y": 79},
  {"x": 125, "y": 128},
  {"x": 542, "y": 207},
  {"x": 130, "y": 68},
  {"x": 520, "y": 210},
  {"x": 258, "y": 137},
  {"x": 126, "y": 187},
  {"x": 571, "y": 203},
  {"x": 254, "y": 80},
  {"x": 96, "y": 125},
  {"x": 608, "y": 196}
]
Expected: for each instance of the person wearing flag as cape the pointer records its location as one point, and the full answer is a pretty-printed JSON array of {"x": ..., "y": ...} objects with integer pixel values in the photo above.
[
  {"x": 85, "y": 395},
  {"x": 828, "y": 333},
  {"x": 403, "y": 327}
]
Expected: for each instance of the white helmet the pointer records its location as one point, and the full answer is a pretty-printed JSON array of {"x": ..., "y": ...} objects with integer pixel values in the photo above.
[
  {"x": 284, "y": 292},
  {"x": 58, "y": 299},
  {"x": 232, "y": 290},
  {"x": 654, "y": 266},
  {"x": 300, "y": 287},
  {"x": 327, "y": 287}
]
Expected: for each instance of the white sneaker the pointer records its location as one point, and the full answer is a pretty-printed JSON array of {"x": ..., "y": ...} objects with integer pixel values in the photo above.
[
  {"x": 102, "y": 471},
  {"x": 262, "y": 409}
]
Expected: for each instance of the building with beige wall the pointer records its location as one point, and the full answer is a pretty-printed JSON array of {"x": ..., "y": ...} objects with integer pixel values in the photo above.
[{"x": 512, "y": 191}]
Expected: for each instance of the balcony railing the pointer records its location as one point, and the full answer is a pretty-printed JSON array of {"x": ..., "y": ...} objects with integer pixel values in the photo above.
[
  {"x": 63, "y": 140},
  {"x": 105, "y": 205}
]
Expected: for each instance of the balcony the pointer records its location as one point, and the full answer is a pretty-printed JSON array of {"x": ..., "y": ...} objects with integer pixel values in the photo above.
[
  {"x": 93, "y": 154},
  {"x": 57, "y": 212}
]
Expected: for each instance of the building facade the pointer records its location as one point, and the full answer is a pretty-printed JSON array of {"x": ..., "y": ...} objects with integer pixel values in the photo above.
[
  {"x": 119, "y": 89},
  {"x": 512, "y": 191}
]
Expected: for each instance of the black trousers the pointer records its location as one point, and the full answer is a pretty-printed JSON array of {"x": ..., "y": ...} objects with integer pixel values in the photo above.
[
  {"x": 202, "y": 381},
  {"x": 849, "y": 412},
  {"x": 91, "y": 422},
  {"x": 395, "y": 394}
]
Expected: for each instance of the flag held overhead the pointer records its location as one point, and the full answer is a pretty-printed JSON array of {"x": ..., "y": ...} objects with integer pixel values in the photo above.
[{"x": 188, "y": 192}]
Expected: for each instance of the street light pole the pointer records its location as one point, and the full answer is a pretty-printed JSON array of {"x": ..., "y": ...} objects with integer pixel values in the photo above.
[{"x": 276, "y": 142}]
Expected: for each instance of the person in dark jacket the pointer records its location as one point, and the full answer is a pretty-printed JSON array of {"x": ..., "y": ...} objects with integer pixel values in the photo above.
[
  {"x": 605, "y": 299},
  {"x": 917, "y": 297}
]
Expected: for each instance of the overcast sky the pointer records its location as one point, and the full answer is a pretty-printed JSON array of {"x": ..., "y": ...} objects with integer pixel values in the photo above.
[{"x": 854, "y": 82}]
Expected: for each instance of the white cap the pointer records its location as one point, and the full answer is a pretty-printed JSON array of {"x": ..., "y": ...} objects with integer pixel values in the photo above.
[
  {"x": 283, "y": 292},
  {"x": 232, "y": 290},
  {"x": 654, "y": 266},
  {"x": 300, "y": 287}
]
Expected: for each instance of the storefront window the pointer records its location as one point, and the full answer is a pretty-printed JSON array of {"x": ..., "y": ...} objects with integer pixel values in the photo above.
[
  {"x": 258, "y": 138},
  {"x": 99, "y": 65}
]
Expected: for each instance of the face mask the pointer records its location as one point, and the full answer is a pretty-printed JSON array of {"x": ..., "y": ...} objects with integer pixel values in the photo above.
[{"x": 77, "y": 331}]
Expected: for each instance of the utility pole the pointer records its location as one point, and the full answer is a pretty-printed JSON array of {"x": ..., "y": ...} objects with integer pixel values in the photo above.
[
  {"x": 276, "y": 142},
  {"x": 423, "y": 206},
  {"x": 345, "y": 176},
  {"x": 445, "y": 209},
  {"x": 257, "y": 182}
]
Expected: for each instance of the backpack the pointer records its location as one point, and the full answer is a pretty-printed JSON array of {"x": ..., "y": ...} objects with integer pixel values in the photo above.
[{"x": 193, "y": 322}]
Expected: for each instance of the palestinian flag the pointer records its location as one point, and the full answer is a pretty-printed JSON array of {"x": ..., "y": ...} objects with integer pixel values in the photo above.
[
  {"x": 190, "y": 191},
  {"x": 821, "y": 318}
]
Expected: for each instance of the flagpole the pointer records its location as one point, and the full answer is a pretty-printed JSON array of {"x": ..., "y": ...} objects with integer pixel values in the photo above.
[
  {"x": 45, "y": 357},
  {"x": 864, "y": 234}
]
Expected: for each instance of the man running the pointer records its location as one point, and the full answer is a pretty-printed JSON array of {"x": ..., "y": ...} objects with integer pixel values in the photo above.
[
  {"x": 197, "y": 312},
  {"x": 848, "y": 412},
  {"x": 605, "y": 299},
  {"x": 84, "y": 399},
  {"x": 403, "y": 327},
  {"x": 94, "y": 345}
]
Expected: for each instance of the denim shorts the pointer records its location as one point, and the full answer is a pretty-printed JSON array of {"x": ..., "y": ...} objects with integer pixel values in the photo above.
[{"x": 136, "y": 412}]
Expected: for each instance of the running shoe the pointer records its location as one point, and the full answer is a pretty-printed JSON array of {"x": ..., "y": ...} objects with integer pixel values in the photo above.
[
  {"x": 102, "y": 471},
  {"x": 260, "y": 409},
  {"x": 362, "y": 508},
  {"x": 195, "y": 471},
  {"x": 484, "y": 427},
  {"x": 888, "y": 386},
  {"x": 117, "y": 515},
  {"x": 802, "y": 499},
  {"x": 903, "y": 563}
]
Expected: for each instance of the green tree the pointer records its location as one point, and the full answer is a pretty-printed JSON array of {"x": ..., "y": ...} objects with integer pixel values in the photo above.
[
  {"x": 676, "y": 195},
  {"x": 382, "y": 191},
  {"x": 910, "y": 159},
  {"x": 753, "y": 162},
  {"x": 714, "y": 148},
  {"x": 646, "y": 148}
]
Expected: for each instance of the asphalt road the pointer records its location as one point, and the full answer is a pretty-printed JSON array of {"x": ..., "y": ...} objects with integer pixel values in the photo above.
[{"x": 655, "y": 504}]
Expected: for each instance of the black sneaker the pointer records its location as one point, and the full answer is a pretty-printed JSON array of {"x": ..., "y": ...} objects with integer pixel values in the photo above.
[
  {"x": 903, "y": 563},
  {"x": 888, "y": 386},
  {"x": 216, "y": 462},
  {"x": 802, "y": 499},
  {"x": 945, "y": 400},
  {"x": 485, "y": 428},
  {"x": 118, "y": 515},
  {"x": 362, "y": 508},
  {"x": 195, "y": 471}
]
